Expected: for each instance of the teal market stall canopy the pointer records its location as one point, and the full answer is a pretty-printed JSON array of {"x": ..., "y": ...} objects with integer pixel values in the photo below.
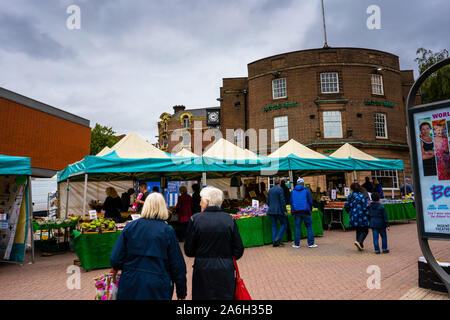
[{"x": 10, "y": 165}]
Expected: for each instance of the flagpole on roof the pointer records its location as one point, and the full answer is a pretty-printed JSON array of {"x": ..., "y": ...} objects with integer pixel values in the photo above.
[{"x": 325, "y": 45}]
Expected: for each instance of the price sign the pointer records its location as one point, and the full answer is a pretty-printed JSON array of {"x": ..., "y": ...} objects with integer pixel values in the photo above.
[
  {"x": 333, "y": 194},
  {"x": 347, "y": 191},
  {"x": 135, "y": 216},
  {"x": 93, "y": 215},
  {"x": 255, "y": 204}
]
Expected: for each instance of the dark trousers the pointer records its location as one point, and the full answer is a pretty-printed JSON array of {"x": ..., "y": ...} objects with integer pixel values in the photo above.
[
  {"x": 181, "y": 234},
  {"x": 361, "y": 234},
  {"x": 377, "y": 232}
]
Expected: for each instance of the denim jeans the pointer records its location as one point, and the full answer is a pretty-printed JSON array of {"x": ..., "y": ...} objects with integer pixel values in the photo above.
[
  {"x": 376, "y": 234},
  {"x": 283, "y": 221},
  {"x": 306, "y": 217}
]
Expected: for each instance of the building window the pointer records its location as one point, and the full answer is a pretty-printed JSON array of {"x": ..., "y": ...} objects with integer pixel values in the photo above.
[
  {"x": 329, "y": 82},
  {"x": 165, "y": 126},
  {"x": 186, "y": 122},
  {"x": 164, "y": 142},
  {"x": 377, "y": 84},
  {"x": 387, "y": 178},
  {"x": 279, "y": 88},
  {"x": 239, "y": 138},
  {"x": 281, "y": 130},
  {"x": 186, "y": 139},
  {"x": 332, "y": 124},
  {"x": 380, "y": 126}
]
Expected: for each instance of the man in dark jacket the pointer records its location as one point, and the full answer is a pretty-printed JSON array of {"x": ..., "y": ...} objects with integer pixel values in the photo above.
[
  {"x": 277, "y": 212},
  {"x": 368, "y": 185},
  {"x": 213, "y": 239},
  {"x": 378, "y": 223},
  {"x": 301, "y": 208}
]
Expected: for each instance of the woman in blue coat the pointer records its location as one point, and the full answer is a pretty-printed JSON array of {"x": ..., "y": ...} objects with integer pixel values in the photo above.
[
  {"x": 357, "y": 208},
  {"x": 149, "y": 256}
]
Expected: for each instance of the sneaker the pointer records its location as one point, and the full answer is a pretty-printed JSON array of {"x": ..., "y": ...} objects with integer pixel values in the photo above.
[
  {"x": 358, "y": 245},
  {"x": 377, "y": 252},
  {"x": 386, "y": 251},
  {"x": 294, "y": 246},
  {"x": 313, "y": 246}
]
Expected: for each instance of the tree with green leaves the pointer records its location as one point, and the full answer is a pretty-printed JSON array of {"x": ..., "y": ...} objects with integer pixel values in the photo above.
[
  {"x": 437, "y": 85},
  {"x": 102, "y": 136}
]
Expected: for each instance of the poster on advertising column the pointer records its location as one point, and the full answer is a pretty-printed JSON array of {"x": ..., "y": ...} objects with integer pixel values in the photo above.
[{"x": 432, "y": 130}]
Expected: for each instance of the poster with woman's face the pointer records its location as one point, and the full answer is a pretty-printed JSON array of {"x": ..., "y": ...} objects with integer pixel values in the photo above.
[
  {"x": 433, "y": 161},
  {"x": 441, "y": 149},
  {"x": 427, "y": 147}
]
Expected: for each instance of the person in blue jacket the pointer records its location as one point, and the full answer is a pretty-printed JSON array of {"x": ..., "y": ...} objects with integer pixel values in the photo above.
[
  {"x": 356, "y": 206},
  {"x": 149, "y": 256},
  {"x": 277, "y": 212},
  {"x": 378, "y": 223},
  {"x": 301, "y": 208}
]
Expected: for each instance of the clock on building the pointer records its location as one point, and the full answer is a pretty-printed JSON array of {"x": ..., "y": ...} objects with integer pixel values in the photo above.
[{"x": 213, "y": 118}]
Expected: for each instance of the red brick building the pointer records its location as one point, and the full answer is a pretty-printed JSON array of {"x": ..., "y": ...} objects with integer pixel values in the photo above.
[
  {"x": 324, "y": 98},
  {"x": 186, "y": 128},
  {"x": 51, "y": 137}
]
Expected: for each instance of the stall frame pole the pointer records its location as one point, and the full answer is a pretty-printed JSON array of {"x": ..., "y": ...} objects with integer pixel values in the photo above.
[
  {"x": 84, "y": 194},
  {"x": 291, "y": 180},
  {"x": 203, "y": 179},
  {"x": 67, "y": 197},
  {"x": 30, "y": 209}
]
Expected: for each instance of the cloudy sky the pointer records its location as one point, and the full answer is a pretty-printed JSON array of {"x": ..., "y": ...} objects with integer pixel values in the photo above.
[{"x": 132, "y": 60}]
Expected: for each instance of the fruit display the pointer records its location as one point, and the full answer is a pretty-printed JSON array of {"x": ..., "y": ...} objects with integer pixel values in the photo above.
[
  {"x": 98, "y": 225},
  {"x": 250, "y": 212}
]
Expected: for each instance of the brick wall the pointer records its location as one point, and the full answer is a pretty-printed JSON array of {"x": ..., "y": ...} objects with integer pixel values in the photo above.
[{"x": 50, "y": 142}]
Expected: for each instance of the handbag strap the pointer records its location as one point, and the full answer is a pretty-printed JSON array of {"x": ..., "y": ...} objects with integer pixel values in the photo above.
[{"x": 236, "y": 267}]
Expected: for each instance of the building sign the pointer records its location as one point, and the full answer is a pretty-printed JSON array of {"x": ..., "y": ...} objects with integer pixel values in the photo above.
[
  {"x": 279, "y": 106},
  {"x": 378, "y": 103},
  {"x": 431, "y": 129}
]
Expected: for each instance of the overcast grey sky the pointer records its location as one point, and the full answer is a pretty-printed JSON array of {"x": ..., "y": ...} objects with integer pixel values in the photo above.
[{"x": 132, "y": 60}]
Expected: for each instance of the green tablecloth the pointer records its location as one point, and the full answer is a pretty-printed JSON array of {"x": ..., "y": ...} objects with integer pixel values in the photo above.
[
  {"x": 257, "y": 231},
  {"x": 394, "y": 211},
  {"x": 94, "y": 250}
]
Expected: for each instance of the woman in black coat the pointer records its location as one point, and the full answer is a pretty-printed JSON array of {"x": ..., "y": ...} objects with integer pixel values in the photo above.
[
  {"x": 112, "y": 204},
  {"x": 213, "y": 239}
]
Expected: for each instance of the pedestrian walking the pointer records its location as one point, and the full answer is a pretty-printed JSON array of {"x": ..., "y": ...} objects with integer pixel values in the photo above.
[
  {"x": 357, "y": 208},
  {"x": 378, "y": 223},
  {"x": 277, "y": 212},
  {"x": 213, "y": 239},
  {"x": 301, "y": 208},
  {"x": 184, "y": 210},
  {"x": 149, "y": 256}
]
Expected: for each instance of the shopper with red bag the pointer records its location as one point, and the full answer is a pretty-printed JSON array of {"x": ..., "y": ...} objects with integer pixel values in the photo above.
[{"x": 214, "y": 240}]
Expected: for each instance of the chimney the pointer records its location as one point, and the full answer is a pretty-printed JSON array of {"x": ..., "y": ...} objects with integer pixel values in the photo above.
[{"x": 178, "y": 108}]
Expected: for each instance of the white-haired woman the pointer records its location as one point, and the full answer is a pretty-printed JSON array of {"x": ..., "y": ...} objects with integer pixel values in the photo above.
[
  {"x": 213, "y": 239},
  {"x": 149, "y": 256}
]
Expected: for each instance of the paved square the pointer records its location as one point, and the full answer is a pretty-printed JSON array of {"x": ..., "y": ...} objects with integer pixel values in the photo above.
[{"x": 333, "y": 270}]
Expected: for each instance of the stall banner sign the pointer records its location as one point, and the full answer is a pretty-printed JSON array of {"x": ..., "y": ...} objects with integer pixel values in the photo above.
[
  {"x": 346, "y": 191},
  {"x": 432, "y": 129},
  {"x": 93, "y": 215},
  {"x": 333, "y": 194},
  {"x": 7, "y": 235}
]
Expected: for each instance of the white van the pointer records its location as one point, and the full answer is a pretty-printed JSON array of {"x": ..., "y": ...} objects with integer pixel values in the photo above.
[{"x": 42, "y": 189}]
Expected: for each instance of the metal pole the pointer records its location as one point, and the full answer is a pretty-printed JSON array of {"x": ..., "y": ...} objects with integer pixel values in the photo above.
[
  {"x": 404, "y": 182},
  {"x": 204, "y": 179},
  {"x": 67, "y": 197},
  {"x": 30, "y": 210},
  {"x": 354, "y": 175},
  {"x": 84, "y": 194},
  {"x": 325, "y": 45},
  {"x": 291, "y": 180}
]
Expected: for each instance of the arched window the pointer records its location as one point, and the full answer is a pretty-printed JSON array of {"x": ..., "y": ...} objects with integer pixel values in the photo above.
[{"x": 186, "y": 122}]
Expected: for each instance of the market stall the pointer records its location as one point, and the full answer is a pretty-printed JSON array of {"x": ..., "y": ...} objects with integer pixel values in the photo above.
[{"x": 15, "y": 208}]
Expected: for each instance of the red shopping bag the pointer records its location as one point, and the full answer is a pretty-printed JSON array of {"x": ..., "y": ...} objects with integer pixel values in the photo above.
[{"x": 240, "y": 292}]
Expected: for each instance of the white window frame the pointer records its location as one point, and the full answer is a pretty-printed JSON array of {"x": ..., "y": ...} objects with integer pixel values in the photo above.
[
  {"x": 278, "y": 88},
  {"x": 325, "y": 80},
  {"x": 326, "y": 115},
  {"x": 376, "y": 174},
  {"x": 277, "y": 127},
  {"x": 376, "y": 81},
  {"x": 378, "y": 124},
  {"x": 187, "y": 121}
]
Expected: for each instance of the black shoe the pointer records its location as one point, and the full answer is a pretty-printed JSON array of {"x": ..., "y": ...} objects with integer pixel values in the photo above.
[{"x": 278, "y": 243}]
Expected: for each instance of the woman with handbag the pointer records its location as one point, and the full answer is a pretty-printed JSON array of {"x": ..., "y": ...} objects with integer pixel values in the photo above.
[
  {"x": 213, "y": 239},
  {"x": 357, "y": 208},
  {"x": 149, "y": 256}
]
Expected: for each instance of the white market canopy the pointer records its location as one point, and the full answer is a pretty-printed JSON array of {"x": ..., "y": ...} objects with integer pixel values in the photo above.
[
  {"x": 224, "y": 149},
  {"x": 104, "y": 152},
  {"x": 297, "y": 149},
  {"x": 133, "y": 146},
  {"x": 349, "y": 151},
  {"x": 185, "y": 153}
]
